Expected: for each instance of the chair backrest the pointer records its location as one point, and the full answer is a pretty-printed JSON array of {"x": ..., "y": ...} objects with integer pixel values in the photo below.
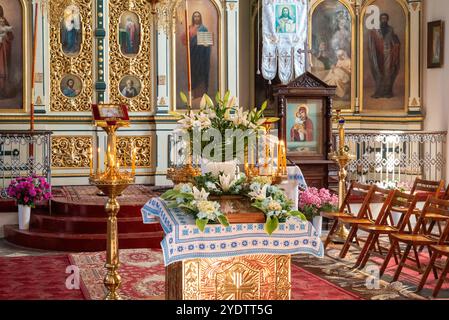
[
  {"x": 446, "y": 194},
  {"x": 378, "y": 195},
  {"x": 437, "y": 206},
  {"x": 356, "y": 190},
  {"x": 428, "y": 186},
  {"x": 397, "y": 199}
]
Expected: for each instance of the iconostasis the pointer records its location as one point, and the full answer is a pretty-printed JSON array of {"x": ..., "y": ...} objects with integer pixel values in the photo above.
[
  {"x": 130, "y": 52},
  {"x": 376, "y": 89}
]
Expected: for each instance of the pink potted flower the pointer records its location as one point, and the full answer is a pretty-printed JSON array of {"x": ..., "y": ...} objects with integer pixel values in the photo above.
[
  {"x": 313, "y": 201},
  {"x": 28, "y": 191}
]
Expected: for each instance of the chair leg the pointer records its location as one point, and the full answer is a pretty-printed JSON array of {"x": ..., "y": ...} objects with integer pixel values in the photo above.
[
  {"x": 331, "y": 232},
  {"x": 365, "y": 249},
  {"x": 442, "y": 278},
  {"x": 368, "y": 252},
  {"x": 347, "y": 244},
  {"x": 402, "y": 262},
  {"x": 388, "y": 258},
  {"x": 427, "y": 272},
  {"x": 418, "y": 263}
]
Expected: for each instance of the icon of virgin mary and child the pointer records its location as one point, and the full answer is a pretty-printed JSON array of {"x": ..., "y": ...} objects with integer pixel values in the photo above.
[{"x": 302, "y": 129}]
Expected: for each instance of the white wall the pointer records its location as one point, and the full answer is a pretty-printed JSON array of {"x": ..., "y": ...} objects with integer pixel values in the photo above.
[{"x": 436, "y": 81}]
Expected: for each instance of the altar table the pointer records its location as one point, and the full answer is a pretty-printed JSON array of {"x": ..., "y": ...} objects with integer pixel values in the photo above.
[{"x": 236, "y": 262}]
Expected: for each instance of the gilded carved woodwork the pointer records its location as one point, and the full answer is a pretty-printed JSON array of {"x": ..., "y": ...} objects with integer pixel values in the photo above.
[
  {"x": 78, "y": 65},
  {"x": 250, "y": 277},
  {"x": 125, "y": 145},
  {"x": 139, "y": 66},
  {"x": 70, "y": 152}
]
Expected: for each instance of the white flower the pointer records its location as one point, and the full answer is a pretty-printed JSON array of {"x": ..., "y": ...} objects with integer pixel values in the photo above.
[
  {"x": 187, "y": 122},
  {"x": 240, "y": 117},
  {"x": 208, "y": 209},
  {"x": 258, "y": 193},
  {"x": 273, "y": 205},
  {"x": 230, "y": 103},
  {"x": 226, "y": 181},
  {"x": 184, "y": 187},
  {"x": 200, "y": 195},
  {"x": 204, "y": 121},
  {"x": 210, "y": 185}
]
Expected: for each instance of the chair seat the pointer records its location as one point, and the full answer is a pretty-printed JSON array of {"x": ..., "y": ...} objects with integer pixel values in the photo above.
[
  {"x": 404, "y": 210},
  {"x": 334, "y": 215},
  {"x": 412, "y": 238},
  {"x": 436, "y": 216},
  {"x": 441, "y": 249},
  {"x": 355, "y": 220},
  {"x": 378, "y": 229}
]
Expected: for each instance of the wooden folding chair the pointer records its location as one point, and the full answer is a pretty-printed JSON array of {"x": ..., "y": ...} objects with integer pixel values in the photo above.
[
  {"x": 438, "y": 250},
  {"x": 430, "y": 187},
  {"x": 365, "y": 217},
  {"x": 436, "y": 219},
  {"x": 355, "y": 190},
  {"x": 385, "y": 224},
  {"x": 417, "y": 238}
]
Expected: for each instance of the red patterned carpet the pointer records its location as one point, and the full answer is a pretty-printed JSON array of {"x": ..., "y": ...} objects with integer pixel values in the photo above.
[
  {"x": 35, "y": 278},
  {"x": 142, "y": 271},
  {"x": 143, "y": 277}
]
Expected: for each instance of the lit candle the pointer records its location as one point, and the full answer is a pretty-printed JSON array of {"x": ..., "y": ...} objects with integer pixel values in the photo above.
[
  {"x": 91, "y": 163},
  {"x": 98, "y": 160},
  {"x": 133, "y": 162},
  {"x": 282, "y": 160}
]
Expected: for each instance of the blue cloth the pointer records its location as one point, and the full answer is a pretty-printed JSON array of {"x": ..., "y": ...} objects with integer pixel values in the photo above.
[{"x": 183, "y": 240}]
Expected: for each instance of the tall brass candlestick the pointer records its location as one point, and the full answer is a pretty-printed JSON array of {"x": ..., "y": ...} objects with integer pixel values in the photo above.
[{"x": 342, "y": 158}]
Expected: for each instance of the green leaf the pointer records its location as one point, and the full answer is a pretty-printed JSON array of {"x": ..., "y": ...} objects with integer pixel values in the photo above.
[
  {"x": 201, "y": 223},
  {"x": 183, "y": 97},
  {"x": 298, "y": 214},
  {"x": 218, "y": 97},
  {"x": 271, "y": 224},
  {"x": 272, "y": 119},
  {"x": 226, "y": 97},
  {"x": 264, "y": 106},
  {"x": 223, "y": 220},
  {"x": 209, "y": 101}
]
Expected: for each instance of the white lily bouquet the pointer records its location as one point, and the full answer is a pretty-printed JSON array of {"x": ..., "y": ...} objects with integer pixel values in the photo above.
[
  {"x": 269, "y": 199},
  {"x": 195, "y": 202}
]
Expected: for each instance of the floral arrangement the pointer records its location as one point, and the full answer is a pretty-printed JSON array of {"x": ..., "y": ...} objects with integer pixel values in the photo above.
[
  {"x": 313, "y": 201},
  {"x": 223, "y": 115},
  {"x": 272, "y": 201},
  {"x": 29, "y": 190},
  {"x": 269, "y": 199},
  {"x": 194, "y": 201}
]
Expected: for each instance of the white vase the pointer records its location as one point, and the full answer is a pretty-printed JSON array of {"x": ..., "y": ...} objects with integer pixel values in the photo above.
[
  {"x": 318, "y": 224},
  {"x": 24, "y": 217}
]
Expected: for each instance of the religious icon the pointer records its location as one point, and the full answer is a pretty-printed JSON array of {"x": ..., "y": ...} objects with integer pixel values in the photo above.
[
  {"x": 285, "y": 18},
  {"x": 71, "y": 86},
  {"x": 304, "y": 123},
  {"x": 203, "y": 30},
  {"x": 130, "y": 86},
  {"x": 129, "y": 34},
  {"x": 111, "y": 111},
  {"x": 71, "y": 31},
  {"x": 384, "y": 72},
  {"x": 11, "y": 55},
  {"x": 435, "y": 44},
  {"x": 332, "y": 49}
]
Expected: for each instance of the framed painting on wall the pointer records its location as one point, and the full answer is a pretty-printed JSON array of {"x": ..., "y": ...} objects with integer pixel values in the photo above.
[
  {"x": 304, "y": 125},
  {"x": 13, "y": 55},
  {"x": 385, "y": 58},
  {"x": 204, "y": 37},
  {"x": 332, "y": 40},
  {"x": 435, "y": 44}
]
